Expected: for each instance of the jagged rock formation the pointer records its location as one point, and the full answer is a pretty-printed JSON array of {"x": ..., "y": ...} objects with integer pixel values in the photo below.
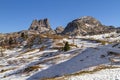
[
  {"x": 59, "y": 30},
  {"x": 86, "y": 25},
  {"x": 41, "y": 26}
]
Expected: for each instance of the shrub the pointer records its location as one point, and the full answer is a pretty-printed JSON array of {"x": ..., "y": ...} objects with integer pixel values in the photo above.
[
  {"x": 24, "y": 36},
  {"x": 66, "y": 47},
  {"x": 31, "y": 68}
]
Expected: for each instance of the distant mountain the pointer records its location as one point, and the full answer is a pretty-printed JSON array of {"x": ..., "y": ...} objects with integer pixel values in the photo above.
[
  {"x": 41, "y": 26},
  {"x": 86, "y": 25},
  {"x": 59, "y": 29}
]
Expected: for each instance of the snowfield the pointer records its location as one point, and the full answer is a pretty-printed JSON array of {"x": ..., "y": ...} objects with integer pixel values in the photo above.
[
  {"x": 107, "y": 74},
  {"x": 81, "y": 63}
]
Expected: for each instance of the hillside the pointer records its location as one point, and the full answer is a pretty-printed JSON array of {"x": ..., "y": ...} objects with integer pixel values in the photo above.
[
  {"x": 34, "y": 64},
  {"x": 39, "y": 52}
]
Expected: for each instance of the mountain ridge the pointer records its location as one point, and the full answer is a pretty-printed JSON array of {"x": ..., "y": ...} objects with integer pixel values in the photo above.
[{"x": 86, "y": 25}]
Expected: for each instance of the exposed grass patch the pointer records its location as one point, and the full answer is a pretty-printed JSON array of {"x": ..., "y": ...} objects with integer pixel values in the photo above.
[
  {"x": 59, "y": 44},
  {"x": 31, "y": 57},
  {"x": 31, "y": 68},
  {"x": 28, "y": 50},
  {"x": 103, "y": 42},
  {"x": 53, "y": 60},
  {"x": 25, "y": 52},
  {"x": 73, "y": 45},
  {"x": 42, "y": 48},
  {"x": 60, "y": 78},
  {"x": 53, "y": 36},
  {"x": 1, "y": 66},
  {"x": 5, "y": 70}
]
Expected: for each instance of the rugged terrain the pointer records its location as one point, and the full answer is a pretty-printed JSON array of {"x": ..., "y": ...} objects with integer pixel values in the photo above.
[
  {"x": 86, "y": 25},
  {"x": 38, "y": 53}
]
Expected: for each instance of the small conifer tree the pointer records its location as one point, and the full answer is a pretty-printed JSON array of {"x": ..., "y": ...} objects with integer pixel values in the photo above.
[{"x": 66, "y": 47}]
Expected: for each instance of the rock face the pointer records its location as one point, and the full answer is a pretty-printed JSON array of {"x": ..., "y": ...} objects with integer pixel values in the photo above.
[
  {"x": 118, "y": 30},
  {"x": 86, "y": 25},
  {"x": 59, "y": 30},
  {"x": 40, "y": 25}
]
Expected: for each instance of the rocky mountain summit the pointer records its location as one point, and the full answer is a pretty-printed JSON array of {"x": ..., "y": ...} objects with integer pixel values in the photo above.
[
  {"x": 41, "y": 26},
  {"x": 86, "y": 25},
  {"x": 59, "y": 29}
]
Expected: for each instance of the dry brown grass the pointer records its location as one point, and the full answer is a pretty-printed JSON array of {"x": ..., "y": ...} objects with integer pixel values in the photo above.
[
  {"x": 31, "y": 68},
  {"x": 60, "y": 78},
  {"x": 31, "y": 57},
  {"x": 73, "y": 45},
  {"x": 103, "y": 42},
  {"x": 53, "y": 36},
  {"x": 5, "y": 70},
  {"x": 42, "y": 48},
  {"x": 25, "y": 52},
  {"x": 59, "y": 44},
  {"x": 1, "y": 66}
]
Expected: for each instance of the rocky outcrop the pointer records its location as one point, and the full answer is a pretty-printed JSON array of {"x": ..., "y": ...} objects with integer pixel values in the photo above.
[
  {"x": 59, "y": 30},
  {"x": 118, "y": 30},
  {"x": 40, "y": 25},
  {"x": 86, "y": 25}
]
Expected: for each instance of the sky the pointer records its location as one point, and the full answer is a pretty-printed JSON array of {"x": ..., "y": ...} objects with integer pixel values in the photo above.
[{"x": 17, "y": 15}]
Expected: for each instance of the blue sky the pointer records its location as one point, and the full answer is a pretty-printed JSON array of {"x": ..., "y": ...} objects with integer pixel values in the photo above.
[{"x": 16, "y": 15}]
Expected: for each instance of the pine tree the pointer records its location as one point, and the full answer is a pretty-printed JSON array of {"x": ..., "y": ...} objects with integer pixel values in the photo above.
[{"x": 66, "y": 47}]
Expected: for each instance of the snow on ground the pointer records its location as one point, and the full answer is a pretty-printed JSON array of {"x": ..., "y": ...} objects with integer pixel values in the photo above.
[
  {"x": 14, "y": 65},
  {"x": 32, "y": 64},
  {"x": 88, "y": 58},
  {"x": 106, "y": 74},
  {"x": 111, "y": 37}
]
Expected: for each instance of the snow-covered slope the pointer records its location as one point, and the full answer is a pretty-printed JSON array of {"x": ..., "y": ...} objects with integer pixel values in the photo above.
[
  {"x": 32, "y": 64},
  {"x": 85, "y": 59},
  {"x": 111, "y": 37}
]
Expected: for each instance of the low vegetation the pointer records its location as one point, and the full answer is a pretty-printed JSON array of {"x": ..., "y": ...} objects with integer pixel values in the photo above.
[
  {"x": 31, "y": 68},
  {"x": 103, "y": 42},
  {"x": 5, "y": 70},
  {"x": 66, "y": 47}
]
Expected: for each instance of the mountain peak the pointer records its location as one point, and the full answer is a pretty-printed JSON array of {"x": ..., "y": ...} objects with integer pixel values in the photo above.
[
  {"x": 85, "y": 25},
  {"x": 41, "y": 25}
]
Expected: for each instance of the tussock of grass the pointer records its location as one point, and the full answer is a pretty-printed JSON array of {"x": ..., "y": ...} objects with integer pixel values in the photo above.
[
  {"x": 60, "y": 78},
  {"x": 1, "y": 66},
  {"x": 29, "y": 50},
  {"x": 103, "y": 42},
  {"x": 49, "y": 60},
  {"x": 5, "y": 70},
  {"x": 73, "y": 45},
  {"x": 31, "y": 68},
  {"x": 59, "y": 44},
  {"x": 25, "y": 52},
  {"x": 52, "y": 36}
]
